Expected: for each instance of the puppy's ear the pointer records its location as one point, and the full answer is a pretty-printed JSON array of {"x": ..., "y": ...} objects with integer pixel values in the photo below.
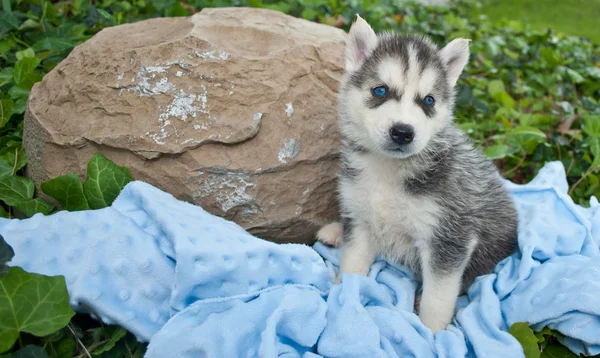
[
  {"x": 455, "y": 56},
  {"x": 361, "y": 41}
]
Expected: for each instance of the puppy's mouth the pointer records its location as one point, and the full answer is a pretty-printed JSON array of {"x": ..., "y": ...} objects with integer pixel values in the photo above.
[{"x": 397, "y": 150}]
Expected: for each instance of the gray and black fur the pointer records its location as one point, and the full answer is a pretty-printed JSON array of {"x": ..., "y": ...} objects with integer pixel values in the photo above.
[{"x": 412, "y": 187}]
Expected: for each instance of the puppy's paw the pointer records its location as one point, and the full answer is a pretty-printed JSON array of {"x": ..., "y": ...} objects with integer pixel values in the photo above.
[
  {"x": 331, "y": 234},
  {"x": 436, "y": 321}
]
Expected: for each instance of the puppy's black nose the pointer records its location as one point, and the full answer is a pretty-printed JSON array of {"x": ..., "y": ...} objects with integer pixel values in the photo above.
[{"x": 402, "y": 133}]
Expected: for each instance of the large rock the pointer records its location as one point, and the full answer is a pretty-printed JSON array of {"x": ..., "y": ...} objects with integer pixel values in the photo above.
[{"x": 233, "y": 109}]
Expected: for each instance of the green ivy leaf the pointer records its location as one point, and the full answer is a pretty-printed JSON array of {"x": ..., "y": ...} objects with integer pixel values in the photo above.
[
  {"x": 557, "y": 351},
  {"x": 112, "y": 333},
  {"x": 25, "y": 53},
  {"x": 541, "y": 336},
  {"x": 53, "y": 44},
  {"x": 494, "y": 44},
  {"x": 498, "y": 151},
  {"x": 507, "y": 101},
  {"x": 550, "y": 56},
  {"x": 496, "y": 88},
  {"x": 104, "y": 13},
  {"x": 575, "y": 76},
  {"x": 14, "y": 189},
  {"x": 3, "y": 213},
  {"x": 31, "y": 207},
  {"x": 20, "y": 104},
  {"x": 9, "y": 144},
  {"x": 104, "y": 181},
  {"x": 594, "y": 144},
  {"x": 17, "y": 93},
  {"x": 526, "y": 137},
  {"x": 68, "y": 191},
  {"x": 498, "y": 92},
  {"x": 511, "y": 54},
  {"x": 5, "y": 168},
  {"x": 310, "y": 14},
  {"x": 29, "y": 25},
  {"x": 6, "y": 254},
  {"x": 8, "y": 21},
  {"x": 16, "y": 159},
  {"x": 30, "y": 351},
  {"x": 140, "y": 351},
  {"x": 593, "y": 184},
  {"x": 124, "y": 348},
  {"x": 6, "y": 76},
  {"x": 6, "y": 110},
  {"x": 23, "y": 68},
  {"x": 31, "y": 303},
  {"x": 66, "y": 348},
  {"x": 591, "y": 125},
  {"x": 6, "y": 44},
  {"x": 525, "y": 336}
]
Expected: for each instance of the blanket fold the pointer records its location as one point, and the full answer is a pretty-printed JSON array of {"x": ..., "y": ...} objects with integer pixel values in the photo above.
[{"x": 194, "y": 284}]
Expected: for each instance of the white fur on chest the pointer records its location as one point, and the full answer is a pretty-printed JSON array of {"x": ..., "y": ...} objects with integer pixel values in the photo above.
[{"x": 397, "y": 221}]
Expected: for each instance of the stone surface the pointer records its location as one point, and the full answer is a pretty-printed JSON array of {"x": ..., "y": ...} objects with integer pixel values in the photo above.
[{"x": 232, "y": 109}]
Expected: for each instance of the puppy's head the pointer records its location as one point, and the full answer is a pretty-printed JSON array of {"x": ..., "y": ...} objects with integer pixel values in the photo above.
[{"x": 398, "y": 91}]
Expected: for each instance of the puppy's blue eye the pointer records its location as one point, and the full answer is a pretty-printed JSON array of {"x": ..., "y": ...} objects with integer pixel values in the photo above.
[
  {"x": 429, "y": 100},
  {"x": 379, "y": 91}
]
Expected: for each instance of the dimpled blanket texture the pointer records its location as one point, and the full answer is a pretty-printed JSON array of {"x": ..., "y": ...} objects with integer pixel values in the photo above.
[{"x": 196, "y": 285}]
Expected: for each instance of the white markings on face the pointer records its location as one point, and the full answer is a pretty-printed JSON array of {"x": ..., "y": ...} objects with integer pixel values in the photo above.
[
  {"x": 411, "y": 85},
  {"x": 391, "y": 73},
  {"x": 414, "y": 70},
  {"x": 427, "y": 82},
  {"x": 368, "y": 120}
]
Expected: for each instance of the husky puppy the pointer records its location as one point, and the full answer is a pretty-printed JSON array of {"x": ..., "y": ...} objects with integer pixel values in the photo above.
[{"x": 412, "y": 187}]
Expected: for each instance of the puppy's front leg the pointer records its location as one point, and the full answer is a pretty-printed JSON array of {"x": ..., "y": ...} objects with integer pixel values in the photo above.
[
  {"x": 442, "y": 277},
  {"x": 357, "y": 252}
]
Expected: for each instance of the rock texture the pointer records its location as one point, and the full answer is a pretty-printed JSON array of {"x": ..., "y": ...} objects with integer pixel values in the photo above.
[{"x": 232, "y": 109}]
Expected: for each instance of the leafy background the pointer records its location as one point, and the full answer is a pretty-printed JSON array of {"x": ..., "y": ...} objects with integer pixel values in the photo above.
[{"x": 530, "y": 95}]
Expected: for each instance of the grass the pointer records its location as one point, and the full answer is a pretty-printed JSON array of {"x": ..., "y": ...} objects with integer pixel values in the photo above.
[{"x": 573, "y": 17}]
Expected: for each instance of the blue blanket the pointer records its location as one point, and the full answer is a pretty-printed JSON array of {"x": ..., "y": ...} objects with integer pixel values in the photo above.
[{"x": 194, "y": 284}]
